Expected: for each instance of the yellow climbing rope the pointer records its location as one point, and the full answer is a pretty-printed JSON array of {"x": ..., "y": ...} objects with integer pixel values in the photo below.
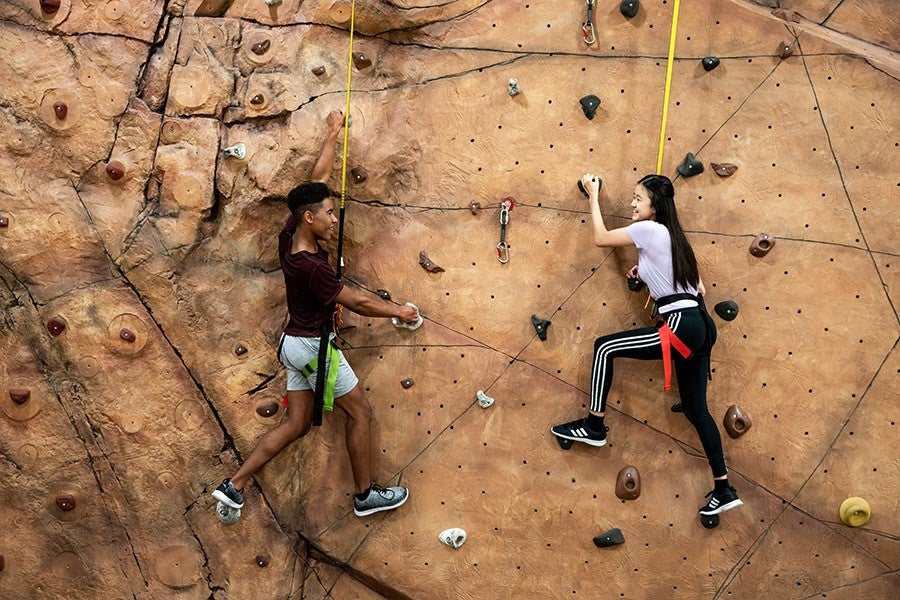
[
  {"x": 347, "y": 106},
  {"x": 665, "y": 114}
]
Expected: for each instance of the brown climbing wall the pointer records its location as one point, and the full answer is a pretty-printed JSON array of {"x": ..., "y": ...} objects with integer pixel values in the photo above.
[{"x": 142, "y": 298}]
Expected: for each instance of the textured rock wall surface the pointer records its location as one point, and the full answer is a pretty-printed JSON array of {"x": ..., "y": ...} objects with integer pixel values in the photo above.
[{"x": 136, "y": 259}]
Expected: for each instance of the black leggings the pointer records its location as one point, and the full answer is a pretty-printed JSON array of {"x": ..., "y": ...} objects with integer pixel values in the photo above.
[{"x": 644, "y": 344}]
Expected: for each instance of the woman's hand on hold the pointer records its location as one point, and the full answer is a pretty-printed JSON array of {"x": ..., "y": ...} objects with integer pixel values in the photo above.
[
  {"x": 632, "y": 272},
  {"x": 591, "y": 184},
  {"x": 335, "y": 121},
  {"x": 407, "y": 314}
]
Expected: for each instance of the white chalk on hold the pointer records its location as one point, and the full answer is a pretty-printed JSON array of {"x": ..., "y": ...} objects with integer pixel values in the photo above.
[
  {"x": 484, "y": 400},
  {"x": 453, "y": 537},
  {"x": 273, "y": 2},
  {"x": 238, "y": 151},
  {"x": 411, "y": 326}
]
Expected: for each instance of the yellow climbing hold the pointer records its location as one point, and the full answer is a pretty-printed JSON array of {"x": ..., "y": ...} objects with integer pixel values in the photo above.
[{"x": 855, "y": 512}]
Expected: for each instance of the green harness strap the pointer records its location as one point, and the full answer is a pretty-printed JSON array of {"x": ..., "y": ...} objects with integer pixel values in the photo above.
[{"x": 333, "y": 360}]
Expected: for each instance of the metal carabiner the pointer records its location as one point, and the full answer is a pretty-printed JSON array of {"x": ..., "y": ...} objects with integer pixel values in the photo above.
[
  {"x": 502, "y": 249},
  {"x": 587, "y": 28}
]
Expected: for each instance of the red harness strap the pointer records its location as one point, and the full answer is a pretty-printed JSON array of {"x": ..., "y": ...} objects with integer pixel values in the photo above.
[{"x": 668, "y": 339}]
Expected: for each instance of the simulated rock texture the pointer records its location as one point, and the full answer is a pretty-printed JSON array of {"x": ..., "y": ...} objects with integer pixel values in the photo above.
[{"x": 136, "y": 259}]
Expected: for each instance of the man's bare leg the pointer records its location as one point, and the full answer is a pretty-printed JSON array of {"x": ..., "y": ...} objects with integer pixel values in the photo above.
[{"x": 358, "y": 436}]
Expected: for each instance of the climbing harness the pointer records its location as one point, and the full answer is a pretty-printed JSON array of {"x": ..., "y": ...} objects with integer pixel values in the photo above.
[
  {"x": 665, "y": 114},
  {"x": 506, "y": 205},
  {"x": 587, "y": 28}
]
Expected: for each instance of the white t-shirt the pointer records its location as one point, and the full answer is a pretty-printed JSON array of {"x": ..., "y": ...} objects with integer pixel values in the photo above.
[{"x": 655, "y": 263}]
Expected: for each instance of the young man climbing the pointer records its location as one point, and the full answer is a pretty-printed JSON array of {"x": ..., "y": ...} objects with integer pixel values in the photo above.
[{"x": 312, "y": 289}]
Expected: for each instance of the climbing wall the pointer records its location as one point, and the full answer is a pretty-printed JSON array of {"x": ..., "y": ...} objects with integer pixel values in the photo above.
[{"x": 142, "y": 298}]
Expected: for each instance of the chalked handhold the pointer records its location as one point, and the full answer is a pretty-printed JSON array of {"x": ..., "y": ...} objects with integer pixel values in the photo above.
[
  {"x": 115, "y": 170},
  {"x": 361, "y": 61},
  {"x": 513, "y": 87},
  {"x": 589, "y": 105},
  {"x": 584, "y": 191},
  {"x": 267, "y": 410},
  {"x": 727, "y": 309},
  {"x": 19, "y": 396},
  {"x": 407, "y": 383},
  {"x": 65, "y": 502},
  {"x": 710, "y": 63},
  {"x": 427, "y": 264},
  {"x": 613, "y": 537},
  {"x": 540, "y": 326},
  {"x": 56, "y": 326},
  {"x": 785, "y": 49},
  {"x": 724, "y": 169},
  {"x": 736, "y": 422},
  {"x": 628, "y": 483},
  {"x": 384, "y": 294},
  {"x": 4, "y": 221},
  {"x": 60, "y": 109},
  {"x": 635, "y": 284},
  {"x": 273, "y": 2},
  {"x": 360, "y": 174},
  {"x": 690, "y": 166},
  {"x": 238, "y": 151},
  {"x": 50, "y": 7},
  {"x": 318, "y": 71},
  {"x": 260, "y": 47},
  {"x": 454, "y": 537},
  {"x": 761, "y": 245},
  {"x": 484, "y": 401},
  {"x": 127, "y": 335},
  {"x": 629, "y": 8},
  {"x": 262, "y": 560},
  {"x": 240, "y": 350}
]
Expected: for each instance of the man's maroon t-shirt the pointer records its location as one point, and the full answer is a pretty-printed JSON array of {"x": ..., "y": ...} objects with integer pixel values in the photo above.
[{"x": 311, "y": 285}]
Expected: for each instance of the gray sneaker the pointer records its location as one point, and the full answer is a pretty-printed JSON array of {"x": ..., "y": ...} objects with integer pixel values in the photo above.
[
  {"x": 226, "y": 494},
  {"x": 380, "y": 499}
]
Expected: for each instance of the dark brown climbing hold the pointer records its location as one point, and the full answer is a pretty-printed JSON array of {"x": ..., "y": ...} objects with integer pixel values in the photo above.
[
  {"x": 260, "y": 47},
  {"x": 736, "y": 422},
  {"x": 318, "y": 71},
  {"x": 589, "y": 105},
  {"x": 612, "y": 537},
  {"x": 56, "y": 326},
  {"x": 474, "y": 207},
  {"x": 540, "y": 326},
  {"x": 60, "y": 109},
  {"x": 257, "y": 100},
  {"x": 2, "y": 563},
  {"x": 127, "y": 335},
  {"x": 710, "y": 63},
  {"x": 629, "y": 8},
  {"x": 724, "y": 169},
  {"x": 690, "y": 166},
  {"x": 788, "y": 15},
  {"x": 262, "y": 560},
  {"x": 384, "y": 294},
  {"x": 727, "y": 309},
  {"x": 4, "y": 221},
  {"x": 361, "y": 61},
  {"x": 115, "y": 170},
  {"x": 407, "y": 383},
  {"x": 785, "y": 49},
  {"x": 267, "y": 410},
  {"x": 427, "y": 264},
  {"x": 50, "y": 7},
  {"x": 635, "y": 284},
  {"x": 628, "y": 483},
  {"x": 761, "y": 245},
  {"x": 240, "y": 350},
  {"x": 65, "y": 502},
  {"x": 360, "y": 174},
  {"x": 19, "y": 396}
]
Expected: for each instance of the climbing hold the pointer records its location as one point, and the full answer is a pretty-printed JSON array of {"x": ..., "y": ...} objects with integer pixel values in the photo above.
[
  {"x": 411, "y": 326},
  {"x": 589, "y": 105},
  {"x": 60, "y": 109},
  {"x": 407, "y": 383},
  {"x": 238, "y": 151},
  {"x": 115, "y": 170},
  {"x": 785, "y": 49},
  {"x": 178, "y": 566},
  {"x": 273, "y": 2},
  {"x": 427, "y": 264},
  {"x": 240, "y": 350},
  {"x": 690, "y": 166},
  {"x": 474, "y": 207},
  {"x": 360, "y": 174},
  {"x": 267, "y": 410},
  {"x": 628, "y": 483},
  {"x": 260, "y": 47},
  {"x": 727, "y": 309},
  {"x": 724, "y": 169},
  {"x": 629, "y": 8},
  {"x": 56, "y": 326},
  {"x": 484, "y": 400},
  {"x": 258, "y": 100},
  {"x": 4, "y": 221},
  {"x": 50, "y": 7},
  {"x": 678, "y": 407},
  {"x": 127, "y": 335},
  {"x": 66, "y": 502},
  {"x": 541, "y": 326},
  {"x": 19, "y": 396},
  {"x": 761, "y": 245},
  {"x": 454, "y": 537},
  {"x": 855, "y": 512},
  {"x": 635, "y": 284},
  {"x": 788, "y": 15},
  {"x": 361, "y": 61},
  {"x": 514, "y": 89},
  {"x": 736, "y": 422},
  {"x": 262, "y": 560},
  {"x": 2, "y": 563},
  {"x": 318, "y": 71},
  {"x": 710, "y": 63},
  {"x": 613, "y": 537},
  {"x": 584, "y": 191},
  {"x": 384, "y": 294},
  {"x": 709, "y": 521},
  {"x": 67, "y": 567}
]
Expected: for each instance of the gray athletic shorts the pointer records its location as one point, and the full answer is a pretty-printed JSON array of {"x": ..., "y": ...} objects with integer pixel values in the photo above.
[{"x": 296, "y": 352}]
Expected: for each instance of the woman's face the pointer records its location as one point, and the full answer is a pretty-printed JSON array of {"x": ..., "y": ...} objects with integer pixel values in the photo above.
[{"x": 642, "y": 210}]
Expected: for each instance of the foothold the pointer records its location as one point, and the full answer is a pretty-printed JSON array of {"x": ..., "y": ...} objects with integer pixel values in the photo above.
[
  {"x": 427, "y": 264},
  {"x": 855, "y": 512},
  {"x": 115, "y": 170},
  {"x": 60, "y": 109},
  {"x": 260, "y": 47},
  {"x": 724, "y": 169},
  {"x": 484, "y": 401},
  {"x": 127, "y": 335},
  {"x": 690, "y": 166},
  {"x": 4, "y": 221},
  {"x": 736, "y": 422},
  {"x": 628, "y": 483},
  {"x": 514, "y": 89},
  {"x": 56, "y": 326},
  {"x": 267, "y": 410},
  {"x": 407, "y": 383},
  {"x": 541, "y": 326},
  {"x": 709, "y": 521},
  {"x": 635, "y": 284},
  {"x": 258, "y": 100},
  {"x": 238, "y": 151},
  {"x": 2, "y": 563},
  {"x": 584, "y": 192},
  {"x": 710, "y": 63},
  {"x": 360, "y": 174},
  {"x": 411, "y": 326},
  {"x": 589, "y": 105},
  {"x": 728, "y": 310},
  {"x": 383, "y": 294},
  {"x": 629, "y": 8},
  {"x": 454, "y": 537},
  {"x": 678, "y": 407},
  {"x": 240, "y": 350},
  {"x": 785, "y": 49},
  {"x": 50, "y": 7},
  {"x": 361, "y": 61},
  {"x": 761, "y": 245},
  {"x": 262, "y": 560},
  {"x": 273, "y": 2},
  {"x": 613, "y": 537},
  {"x": 318, "y": 71},
  {"x": 474, "y": 207},
  {"x": 19, "y": 396},
  {"x": 66, "y": 502}
]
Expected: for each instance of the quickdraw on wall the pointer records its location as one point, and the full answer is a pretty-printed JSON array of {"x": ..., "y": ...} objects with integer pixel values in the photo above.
[
  {"x": 587, "y": 28},
  {"x": 506, "y": 205}
]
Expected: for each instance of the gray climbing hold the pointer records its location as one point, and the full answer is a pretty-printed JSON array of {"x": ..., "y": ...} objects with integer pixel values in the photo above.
[
  {"x": 710, "y": 63},
  {"x": 612, "y": 537},
  {"x": 541, "y": 326},
  {"x": 514, "y": 88},
  {"x": 728, "y": 310},
  {"x": 629, "y": 8},
  {"x": 690, "y": 166},
  {"x": 589, "y": 105}
]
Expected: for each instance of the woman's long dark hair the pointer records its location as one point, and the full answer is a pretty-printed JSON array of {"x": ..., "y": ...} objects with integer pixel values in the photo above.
[{"x": 662, "y": 199}]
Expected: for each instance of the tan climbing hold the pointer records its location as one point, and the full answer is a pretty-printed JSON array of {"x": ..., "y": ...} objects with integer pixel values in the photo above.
[
  {"x": 189, "y": 415},
  {"x": 190, "y": 86},
  {"x": 340, "y": 12},
  {"x": 171, "y": 131},
  {"x": 188, "y": 190},
  {"x": 628, "y": 483},
  {"x": 67, "y": 567},
  {"x": 27, "y": 454},
  {"x": 111, "y": 99},
  {"x": 855, "y": 512},
  {"x": 736, "y": 422},
  {"x": 114, "y": 10},
  {"x": 131, "y": 422},
  {"x": 178, "y": 567},
  {"x": 166, "y": 480},
  {"x": 127, "y": 334}
]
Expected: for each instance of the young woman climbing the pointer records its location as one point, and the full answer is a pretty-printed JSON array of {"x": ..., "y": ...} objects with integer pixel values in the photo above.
[{"x": 666, "y": 263}]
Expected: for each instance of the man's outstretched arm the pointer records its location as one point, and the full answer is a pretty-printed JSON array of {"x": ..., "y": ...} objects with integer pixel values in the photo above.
[{"x": 321, "y": 171}]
